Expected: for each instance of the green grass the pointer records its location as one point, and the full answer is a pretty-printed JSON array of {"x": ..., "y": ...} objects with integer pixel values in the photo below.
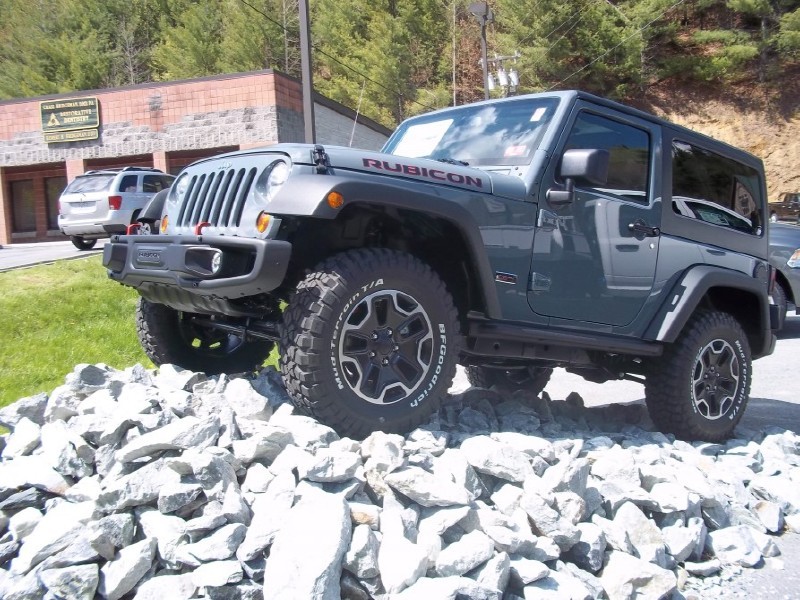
[{"x": 58, "y": 315}]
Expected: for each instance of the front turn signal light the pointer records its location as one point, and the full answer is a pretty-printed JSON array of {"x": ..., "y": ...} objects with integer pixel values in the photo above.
[
  {"x": 262, "y": 222},
  {"x": 335, "y": 200},
  {"x": 164, "y": 223}
]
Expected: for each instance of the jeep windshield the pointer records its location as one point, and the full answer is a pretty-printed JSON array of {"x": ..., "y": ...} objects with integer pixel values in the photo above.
[{"x": 499, "y": 134}]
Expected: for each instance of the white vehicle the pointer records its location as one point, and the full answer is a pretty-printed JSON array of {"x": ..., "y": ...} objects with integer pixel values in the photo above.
[
  {"x": 711, "y": 212},
  {"x": 99, "y": 203}
]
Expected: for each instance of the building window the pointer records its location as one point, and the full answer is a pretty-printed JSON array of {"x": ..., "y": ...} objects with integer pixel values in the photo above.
[
  {"x": 53, "y": 186},
  {"x": 23, "y": 206}
]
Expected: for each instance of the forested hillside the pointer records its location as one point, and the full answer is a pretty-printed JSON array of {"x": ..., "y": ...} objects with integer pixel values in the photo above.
[{"x": 390, "y": 59}]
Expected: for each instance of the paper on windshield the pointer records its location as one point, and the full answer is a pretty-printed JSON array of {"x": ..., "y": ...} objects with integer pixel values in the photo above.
[{"x": 421, "y": 140}]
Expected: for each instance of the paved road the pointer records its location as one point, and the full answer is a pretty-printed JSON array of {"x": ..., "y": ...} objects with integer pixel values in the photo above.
[
  {"x": 13, "y": 256},
  {"x": 774, "y": 395}
]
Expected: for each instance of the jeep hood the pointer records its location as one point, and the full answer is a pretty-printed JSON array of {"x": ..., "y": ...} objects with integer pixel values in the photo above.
[{"x": 338, "y": 160}]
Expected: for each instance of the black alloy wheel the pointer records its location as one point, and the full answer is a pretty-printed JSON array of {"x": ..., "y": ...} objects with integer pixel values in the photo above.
[
  {"x": 699, "y": 388},
  {"x": 370, "y": 342}
]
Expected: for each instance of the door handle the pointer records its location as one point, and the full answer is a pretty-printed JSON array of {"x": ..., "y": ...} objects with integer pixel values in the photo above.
[{"x": 640, "y": 228}]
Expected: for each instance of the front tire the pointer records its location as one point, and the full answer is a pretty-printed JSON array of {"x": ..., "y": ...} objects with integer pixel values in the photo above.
[
  {"x": 698, "y": 389},
  {"x": 370, "y": 342},
  {"x": 532, "y": 379},
  {"x": 82, "y": 243},
  {"x": 170, "y": 336}
]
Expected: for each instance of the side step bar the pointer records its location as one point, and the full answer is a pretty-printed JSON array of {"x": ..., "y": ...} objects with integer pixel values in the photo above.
[{"x": 492, "y": 338}]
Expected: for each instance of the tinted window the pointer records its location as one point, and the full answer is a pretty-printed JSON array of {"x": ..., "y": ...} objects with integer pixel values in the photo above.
[
  {"x": 128, "y": 183},
  {"x": 715, "y": 189},
  {"x": 23, "y": 208},
  {"x": 155, "y": 183},
  {"x": 53, "y": 186},
  {"x": 89, "y": 183},
  {"x": 628, "y": 148}
]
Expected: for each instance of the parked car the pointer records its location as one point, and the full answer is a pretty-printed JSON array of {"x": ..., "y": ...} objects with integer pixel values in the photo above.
[
  {"x": 99, "y": 203},
  {"x": 784, "y": 255},
  {"x": 787, "y": 208},
  {"x": 711, "y": 212}
]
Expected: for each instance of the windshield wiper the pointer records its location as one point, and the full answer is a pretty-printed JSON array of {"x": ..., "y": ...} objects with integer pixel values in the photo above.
[{"x": 452, "y": 161}]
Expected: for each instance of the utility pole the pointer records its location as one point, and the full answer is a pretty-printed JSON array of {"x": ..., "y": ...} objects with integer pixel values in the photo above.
[
  {"x": 305, "y": 71},
  {"x": 485, "y": 16}
]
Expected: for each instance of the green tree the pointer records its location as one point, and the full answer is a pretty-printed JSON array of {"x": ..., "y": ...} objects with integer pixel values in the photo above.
[
  {"x": 260, "y": 34},
  {"x": 788, "y": 37},
  {"x": 192, "y": 48}
]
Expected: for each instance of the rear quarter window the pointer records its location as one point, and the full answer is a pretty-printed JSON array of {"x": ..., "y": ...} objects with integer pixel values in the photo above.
[
  {"x": 155, "y": 183},
  {"x": 128, "y": 183},
  {"x": 715, "y": 189}
]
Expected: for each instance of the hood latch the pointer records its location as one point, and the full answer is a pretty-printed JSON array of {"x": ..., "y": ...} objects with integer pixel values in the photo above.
[{"x": 320, "y": 158}]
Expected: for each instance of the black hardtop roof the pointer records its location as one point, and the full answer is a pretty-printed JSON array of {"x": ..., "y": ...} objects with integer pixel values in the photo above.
[{"x": 575, "y": 95}]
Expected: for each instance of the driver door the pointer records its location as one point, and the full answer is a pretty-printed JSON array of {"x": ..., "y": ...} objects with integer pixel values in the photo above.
[{"x": 594, "y": 258}]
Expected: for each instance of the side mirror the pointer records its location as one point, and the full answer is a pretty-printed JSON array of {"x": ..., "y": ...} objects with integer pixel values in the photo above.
[{"x": 589, "y": 165}]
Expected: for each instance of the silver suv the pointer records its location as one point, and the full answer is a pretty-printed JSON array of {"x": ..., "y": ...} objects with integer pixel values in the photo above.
[{"x": 99, "y": 203}]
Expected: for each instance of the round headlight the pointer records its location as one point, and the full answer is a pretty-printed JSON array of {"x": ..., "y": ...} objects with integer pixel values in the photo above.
[
  {"x": 271, "y": 180},
  {"x": 179, "y": 187}
]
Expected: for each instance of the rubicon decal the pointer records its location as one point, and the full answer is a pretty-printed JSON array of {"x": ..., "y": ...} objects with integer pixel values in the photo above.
[{"x": 437, "y": 174}]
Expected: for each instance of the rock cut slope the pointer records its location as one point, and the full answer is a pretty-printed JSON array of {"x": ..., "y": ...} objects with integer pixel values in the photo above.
[{"x": 171, "y": 484}]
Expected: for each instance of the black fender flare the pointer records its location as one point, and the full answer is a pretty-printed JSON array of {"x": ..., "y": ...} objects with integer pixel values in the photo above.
[
  {"x": 306, "y": 196},
  {"x": 688, "y": 292}
]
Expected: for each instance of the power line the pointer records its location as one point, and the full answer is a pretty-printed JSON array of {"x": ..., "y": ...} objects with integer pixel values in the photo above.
[
  {"x": 530, "y": 14},
  {"x": 380, "y": 85},
  {"x": 263, "y": 14},
  {"x": 637, "y": 32},
  {"x": 333, "y": 58}
]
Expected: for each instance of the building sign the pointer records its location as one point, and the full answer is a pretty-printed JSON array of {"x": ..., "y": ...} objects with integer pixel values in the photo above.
[{"x": 70, "y": 120}]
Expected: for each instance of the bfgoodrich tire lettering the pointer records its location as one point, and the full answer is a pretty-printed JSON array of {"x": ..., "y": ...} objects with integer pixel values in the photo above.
[
  {"x": 699, "y": 388},
  {"x": 169, "y": 336},
  {"x": 370, "y": 342}
]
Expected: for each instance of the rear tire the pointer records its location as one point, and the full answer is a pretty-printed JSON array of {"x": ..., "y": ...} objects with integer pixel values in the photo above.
[
  {"x": 82, "y": 243},
  {"x": 170, "y": 336},
  {"x": 781, "y": 301},
  {"x": 370, "y": 342},
  {"x": 698, "y": 389},
  {"x": 532, "y": 379}
]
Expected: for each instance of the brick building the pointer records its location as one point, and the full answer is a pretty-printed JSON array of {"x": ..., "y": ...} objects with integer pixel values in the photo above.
[{"x": 162, "y": 125}]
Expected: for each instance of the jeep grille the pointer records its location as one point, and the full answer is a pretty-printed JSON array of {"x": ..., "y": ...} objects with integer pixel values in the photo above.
[{"x": 217, "y": 198}]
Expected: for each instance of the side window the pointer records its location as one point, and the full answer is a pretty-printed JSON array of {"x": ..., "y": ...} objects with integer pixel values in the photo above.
[
  {"x": 128, "y": 183},
  {"x": 715, "y": 189},
  {"x": 154, "y": 183},
  {"x": 629, "y": 153}
]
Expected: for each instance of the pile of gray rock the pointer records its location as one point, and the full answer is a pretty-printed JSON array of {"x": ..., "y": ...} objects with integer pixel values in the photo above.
[{"x": 171, "y": 484}]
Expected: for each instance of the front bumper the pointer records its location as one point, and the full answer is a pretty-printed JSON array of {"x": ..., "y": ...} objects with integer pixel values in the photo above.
[{"x": 162, "y": 265}]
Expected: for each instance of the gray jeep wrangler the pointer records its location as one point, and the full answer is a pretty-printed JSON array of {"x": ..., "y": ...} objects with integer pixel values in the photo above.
[{"x": 511, "y": 236}]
